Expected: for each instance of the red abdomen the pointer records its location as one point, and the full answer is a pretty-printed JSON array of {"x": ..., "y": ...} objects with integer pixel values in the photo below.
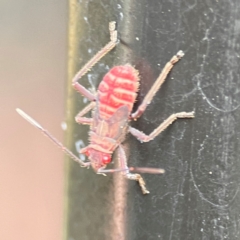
[{"x": 118, "y": 87}]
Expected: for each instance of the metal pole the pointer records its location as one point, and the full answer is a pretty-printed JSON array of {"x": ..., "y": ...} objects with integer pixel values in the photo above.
[{"x": 197, "y": 197}]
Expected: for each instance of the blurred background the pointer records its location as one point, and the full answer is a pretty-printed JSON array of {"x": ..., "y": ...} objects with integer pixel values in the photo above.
[{"x": 33, "y": 50}]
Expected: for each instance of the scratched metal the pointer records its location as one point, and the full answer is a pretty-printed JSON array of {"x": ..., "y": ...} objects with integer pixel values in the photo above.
[{"x": 198, "y": 196}]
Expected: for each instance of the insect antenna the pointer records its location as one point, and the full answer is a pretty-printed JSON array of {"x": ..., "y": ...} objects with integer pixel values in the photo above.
[
  {"x": 134, "y": 169},
  {"x": 49, "y": 135},
  {"x": 147, "y": 170}
]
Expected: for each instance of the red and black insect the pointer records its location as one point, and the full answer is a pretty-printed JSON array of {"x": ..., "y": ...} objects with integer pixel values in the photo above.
[{"x": 112, "y": 107}]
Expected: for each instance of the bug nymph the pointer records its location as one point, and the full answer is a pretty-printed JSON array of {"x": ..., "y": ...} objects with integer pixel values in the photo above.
[
  {"x": 112, "y": 107},
  {"x": 115, "y": 98}
]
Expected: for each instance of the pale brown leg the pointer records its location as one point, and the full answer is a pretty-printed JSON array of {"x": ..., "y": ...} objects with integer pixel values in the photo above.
[
  {"x": 83, "y": 120},
  {"x": 132, "y": 176},
  {"x": 123, "y": 167},
  {"x": 145, "y": 138},
  {"x": 93, "y": 61},
  {"x": 158, "y": 83}
]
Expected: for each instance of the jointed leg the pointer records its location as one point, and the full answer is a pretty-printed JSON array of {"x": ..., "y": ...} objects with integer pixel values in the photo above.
[
  {"x": 84, "y": 120},
  {"x": 93, "y": 61},
  {"x": 158, "y": 83},
  {"x": 127, "y": 174},
  {"x": 145, "y": 138}
]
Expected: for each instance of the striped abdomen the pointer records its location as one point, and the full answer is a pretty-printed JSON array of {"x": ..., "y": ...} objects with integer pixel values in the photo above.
[{"x": 118, "y": 87}]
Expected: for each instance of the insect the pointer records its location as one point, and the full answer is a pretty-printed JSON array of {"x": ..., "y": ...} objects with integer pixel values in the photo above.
[{"x": 112, "y": 111}]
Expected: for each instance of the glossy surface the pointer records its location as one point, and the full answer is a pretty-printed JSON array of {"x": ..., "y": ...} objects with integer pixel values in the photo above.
[{"x": 198, "y": 196}]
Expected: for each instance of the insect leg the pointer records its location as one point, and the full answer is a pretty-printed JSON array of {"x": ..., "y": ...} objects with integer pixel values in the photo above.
[
  {"x": 83, "y": 120},
  {"x": 145, "y": 138},
  {"x": 158, "y": 83},
  {"x": 132, "y": 176},
  {"x": 93, "y": 61}
]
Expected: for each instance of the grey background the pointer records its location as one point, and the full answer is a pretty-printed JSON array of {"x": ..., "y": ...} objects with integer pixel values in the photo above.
[
  {"x": 198, "y": 196},
  {"x": 33, "y": 50}
]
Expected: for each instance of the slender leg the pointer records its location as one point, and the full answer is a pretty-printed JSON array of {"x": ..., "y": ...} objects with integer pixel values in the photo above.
[
  {"x": 84, "y": 120},
  {"x": 127, "y": 174},
  {"x": 158, "y": 83},
  {"x": 145, "y": 138},
  {"x": 93, "y": 61}
]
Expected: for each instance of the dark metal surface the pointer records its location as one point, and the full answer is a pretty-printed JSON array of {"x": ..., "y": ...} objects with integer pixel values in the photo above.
[{"x": 198, "y": 196}]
